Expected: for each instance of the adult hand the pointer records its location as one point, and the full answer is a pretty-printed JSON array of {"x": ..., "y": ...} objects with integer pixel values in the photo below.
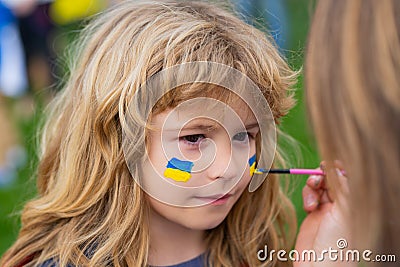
[{"x": 324, "y": 227}]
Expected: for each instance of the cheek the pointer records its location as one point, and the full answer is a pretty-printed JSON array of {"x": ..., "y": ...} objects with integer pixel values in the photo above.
[
  {"x": 154, "y": 150},
  {"x": 243, "y": 183},
  {"x": 245, "y": 179}
]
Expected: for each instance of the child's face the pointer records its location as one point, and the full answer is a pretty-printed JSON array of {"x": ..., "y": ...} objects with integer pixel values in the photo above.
[{"x": 217, "y": 142}]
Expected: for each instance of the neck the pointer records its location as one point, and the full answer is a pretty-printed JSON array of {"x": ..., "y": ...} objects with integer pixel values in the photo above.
[{"x": 171, "y": 243}]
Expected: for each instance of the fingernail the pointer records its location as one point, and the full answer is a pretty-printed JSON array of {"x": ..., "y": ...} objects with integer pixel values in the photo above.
[
  {"x": 317, "y": 180},
  {"x": 339, "y": 172}
]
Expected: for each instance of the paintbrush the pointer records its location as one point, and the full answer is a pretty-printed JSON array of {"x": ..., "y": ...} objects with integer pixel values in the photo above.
[{"x": 293, "y": 171}]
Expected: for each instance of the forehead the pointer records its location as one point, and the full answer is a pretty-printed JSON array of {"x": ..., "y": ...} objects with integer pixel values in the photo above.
[
  {"x": 206, "y": 114},
  {"x": 203, "y": 98}
]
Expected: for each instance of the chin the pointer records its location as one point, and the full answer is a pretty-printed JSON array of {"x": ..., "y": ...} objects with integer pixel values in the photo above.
[{"x": 206, "y": 223}]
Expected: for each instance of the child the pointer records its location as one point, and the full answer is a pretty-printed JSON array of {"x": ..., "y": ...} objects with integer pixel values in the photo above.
[
  {"x": 111, "y": 144},
  {"x": 353, "y": 94}
]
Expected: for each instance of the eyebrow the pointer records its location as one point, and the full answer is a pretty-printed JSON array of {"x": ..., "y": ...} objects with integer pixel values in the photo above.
[
  {"x": 212, "y": 126},
  {"x": 204, "y": 126}
]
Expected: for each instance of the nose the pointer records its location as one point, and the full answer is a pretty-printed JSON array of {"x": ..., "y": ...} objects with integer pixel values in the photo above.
[{"x": 223, "y": 165}]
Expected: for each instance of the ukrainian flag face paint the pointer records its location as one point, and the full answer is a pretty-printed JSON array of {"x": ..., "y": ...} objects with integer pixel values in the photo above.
[
  {"x": 252, "y": 163},
  {"x": 179, "y": 170}
]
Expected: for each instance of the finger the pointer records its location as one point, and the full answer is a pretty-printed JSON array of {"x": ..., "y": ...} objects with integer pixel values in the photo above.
[
  {"x": 315, "y": 181},
  {"x": 310, "y": 198},
  {"x": 323, "y": 182},
  {"x": 322, "y": 165},
  {"x": 319, "y": 184}
]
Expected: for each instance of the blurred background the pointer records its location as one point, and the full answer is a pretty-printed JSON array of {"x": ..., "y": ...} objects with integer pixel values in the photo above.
[{"x": 34, "y": 35}]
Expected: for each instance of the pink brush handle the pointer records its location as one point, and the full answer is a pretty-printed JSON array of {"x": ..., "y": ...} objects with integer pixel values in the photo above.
[{"x": 306, "y": 171}]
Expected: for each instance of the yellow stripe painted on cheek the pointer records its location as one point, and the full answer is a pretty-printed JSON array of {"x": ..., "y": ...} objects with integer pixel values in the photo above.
[{"x": 177, "y": 175}]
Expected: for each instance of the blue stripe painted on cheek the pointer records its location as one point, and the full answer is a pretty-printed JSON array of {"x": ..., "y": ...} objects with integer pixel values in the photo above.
[
  {"x": 182, "y": 165},
  {"x": 252, "y": 160}
]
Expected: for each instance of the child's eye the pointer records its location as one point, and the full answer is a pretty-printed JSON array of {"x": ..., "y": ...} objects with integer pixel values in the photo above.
[
  {"x": 242, "y": 136},
  {"x": 193, "y": 139}
]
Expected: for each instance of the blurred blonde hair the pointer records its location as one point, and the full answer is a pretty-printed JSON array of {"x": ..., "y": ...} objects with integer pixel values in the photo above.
[
  {"x": 89, "y": 211},
  {"x": 353, "y": 94}
]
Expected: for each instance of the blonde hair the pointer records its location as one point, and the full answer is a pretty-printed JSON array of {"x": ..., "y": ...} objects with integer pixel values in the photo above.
[
  {"x": 89, "y": 210},
  {"x": 353, "y": 94}
]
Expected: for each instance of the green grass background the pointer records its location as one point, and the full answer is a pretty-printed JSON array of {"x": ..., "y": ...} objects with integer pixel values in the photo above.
[{"x": 295, "y": 124}]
